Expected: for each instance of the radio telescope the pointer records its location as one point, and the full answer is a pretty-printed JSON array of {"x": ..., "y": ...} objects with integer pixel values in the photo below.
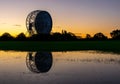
[
  {"x": 39, "y": 62},
  {"x": 38, "y": 22}
]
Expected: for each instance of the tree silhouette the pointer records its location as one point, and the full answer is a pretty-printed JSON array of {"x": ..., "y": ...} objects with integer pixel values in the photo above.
[
  {"x": 40, "y": 37},
  {"x": 64, "y": 36},
  {"x": 67, "y": 36},
  {"x": 99, "y": 36},
  {"x": 6, "y": 36},
  {"x": 115, "y": 34},
  {"x": 21, "y": 36},
  {"x": 57, "y": 36},
  {"x": 88, "y": 36}
]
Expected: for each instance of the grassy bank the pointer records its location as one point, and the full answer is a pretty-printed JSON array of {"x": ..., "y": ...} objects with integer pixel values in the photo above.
[{"x": 60, "y": 46}]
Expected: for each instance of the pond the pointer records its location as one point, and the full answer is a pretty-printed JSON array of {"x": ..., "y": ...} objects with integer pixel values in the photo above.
[{"x": 70, "y": 67}]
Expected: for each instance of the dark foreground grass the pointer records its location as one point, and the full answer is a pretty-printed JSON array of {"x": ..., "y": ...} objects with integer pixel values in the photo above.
[{"x": 60, "y": 45}]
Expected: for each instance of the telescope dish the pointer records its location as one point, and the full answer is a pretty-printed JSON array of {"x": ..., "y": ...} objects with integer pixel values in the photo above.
[
  {"x": 39, "y": 22},
  {"x": 39, "y": 62}
]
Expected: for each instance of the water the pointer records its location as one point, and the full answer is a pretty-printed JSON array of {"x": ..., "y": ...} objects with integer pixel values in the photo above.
[{"x": 75, "y": 67}]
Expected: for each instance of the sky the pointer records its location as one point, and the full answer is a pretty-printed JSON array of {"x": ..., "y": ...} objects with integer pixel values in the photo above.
[{"x": 78, "y": 16}]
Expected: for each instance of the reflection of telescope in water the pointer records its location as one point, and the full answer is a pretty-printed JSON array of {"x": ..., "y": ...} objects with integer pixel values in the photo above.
[{"x": 39, "y": 62}]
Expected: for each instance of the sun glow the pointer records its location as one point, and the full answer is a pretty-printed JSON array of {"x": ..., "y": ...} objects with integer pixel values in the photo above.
[{"x": 80, "y": 17}]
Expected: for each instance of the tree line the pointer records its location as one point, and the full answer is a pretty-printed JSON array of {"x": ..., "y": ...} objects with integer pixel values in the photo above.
[{"x": 64, "y": 36}]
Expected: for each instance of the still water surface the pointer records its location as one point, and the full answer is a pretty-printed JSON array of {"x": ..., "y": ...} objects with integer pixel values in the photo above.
[{"x": 75, "y": 67}]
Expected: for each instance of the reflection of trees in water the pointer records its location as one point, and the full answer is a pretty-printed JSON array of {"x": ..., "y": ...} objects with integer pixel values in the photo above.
[
  {"x": 97, "y": 60},
  {"x": 39, "y": 62},
  {"x": 106, "y": 61}
]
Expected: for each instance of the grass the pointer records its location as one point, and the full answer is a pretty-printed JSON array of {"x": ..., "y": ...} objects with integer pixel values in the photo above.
[{"x": 60, "y": 45}]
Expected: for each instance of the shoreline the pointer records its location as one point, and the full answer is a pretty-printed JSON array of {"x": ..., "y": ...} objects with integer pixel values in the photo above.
[{"x": 60, "y": 45}]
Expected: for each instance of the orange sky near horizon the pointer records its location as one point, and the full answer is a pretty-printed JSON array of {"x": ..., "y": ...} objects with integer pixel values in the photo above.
[{"x": 78, "y": 16}]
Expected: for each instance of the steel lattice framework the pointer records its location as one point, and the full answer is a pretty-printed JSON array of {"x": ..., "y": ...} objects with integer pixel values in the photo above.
[
  {"x": 39, "y": 62},
  {"x": 39, "y": 22}
]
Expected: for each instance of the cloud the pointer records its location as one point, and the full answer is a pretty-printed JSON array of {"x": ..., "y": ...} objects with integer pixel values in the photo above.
[
  {"x": 17, "y": 25},
  {"x": 4, "y": 23}
]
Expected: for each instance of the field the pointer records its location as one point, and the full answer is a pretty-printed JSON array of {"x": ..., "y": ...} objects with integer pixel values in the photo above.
[{"x": 60, "y": 45}]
